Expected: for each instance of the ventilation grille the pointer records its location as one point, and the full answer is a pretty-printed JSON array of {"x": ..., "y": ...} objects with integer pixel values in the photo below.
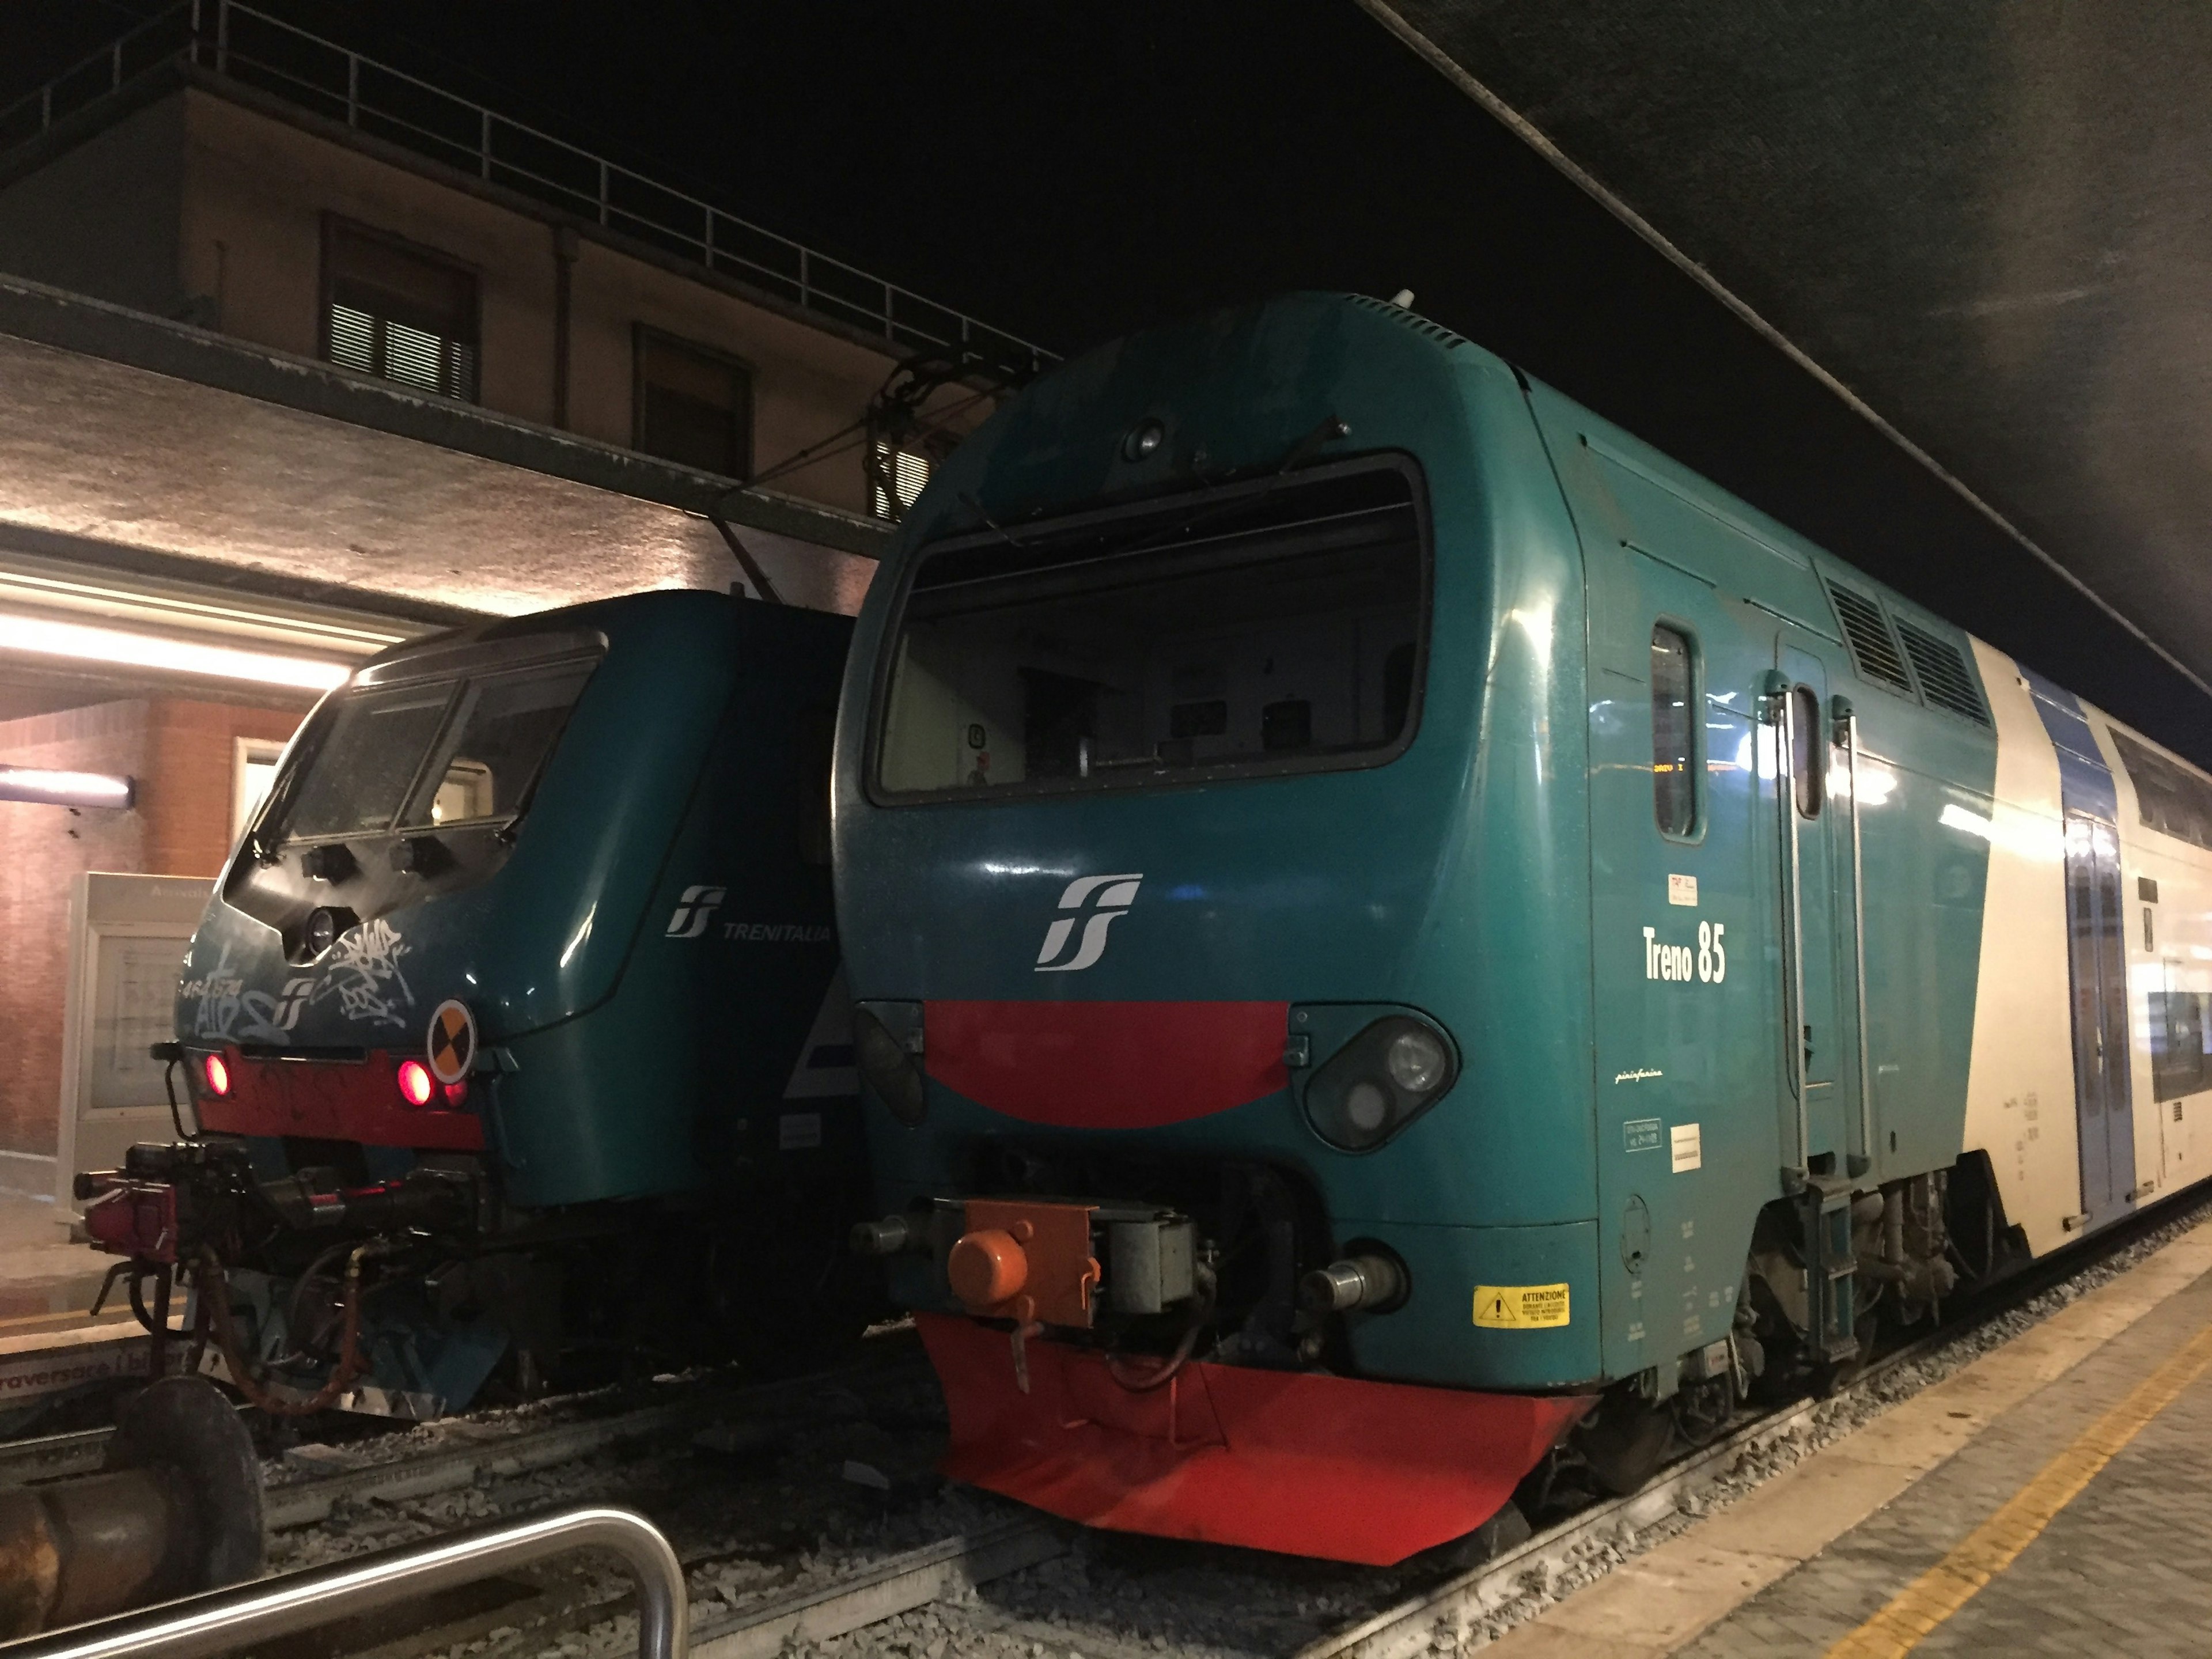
[
  {"x": 1944, "y": 679},
  {"x": 1867, "y": 630},
  {"x": 1422, "y": 325}
]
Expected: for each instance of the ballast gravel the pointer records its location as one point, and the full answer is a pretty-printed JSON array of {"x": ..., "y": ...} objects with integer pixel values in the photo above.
[
  {"x": 1829, "y": 1421},
  {"x": 770, "y": 1506}
]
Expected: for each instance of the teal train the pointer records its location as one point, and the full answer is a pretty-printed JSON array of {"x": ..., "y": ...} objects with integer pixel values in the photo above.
[
  {"x": 1408, "y": 948},
  {"x": 514, "y": 1031}
]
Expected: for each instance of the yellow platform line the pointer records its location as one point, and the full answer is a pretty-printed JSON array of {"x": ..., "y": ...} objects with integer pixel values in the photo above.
[{"x": 1947, "y": 1586}]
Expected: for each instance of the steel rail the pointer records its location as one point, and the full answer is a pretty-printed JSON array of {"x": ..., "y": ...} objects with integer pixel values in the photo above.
[
  {"x": 898, "y": 1583},
  {"x": 225, "y": 1620},
  {"x": 1404, "y": 1629},
  {"x": 303, "y": 1502}
]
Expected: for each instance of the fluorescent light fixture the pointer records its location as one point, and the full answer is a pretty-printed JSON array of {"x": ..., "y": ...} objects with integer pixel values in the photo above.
[
  {"x": 33, "y": 783},
  {"x": 47, "y": 637}
]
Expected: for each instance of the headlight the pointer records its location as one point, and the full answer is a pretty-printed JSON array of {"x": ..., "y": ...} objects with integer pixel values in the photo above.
[
  {"x": 1417, "y": 1061},
  {"x": 1367, "y": 1106},
  {"x": 1379, "y": 1082},
  {"x": 891, "y": 1072}
]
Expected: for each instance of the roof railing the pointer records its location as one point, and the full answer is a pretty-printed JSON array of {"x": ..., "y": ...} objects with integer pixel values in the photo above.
[
  {"x": 224, "y": 1621},
  {"x": 253, "y": 49}
]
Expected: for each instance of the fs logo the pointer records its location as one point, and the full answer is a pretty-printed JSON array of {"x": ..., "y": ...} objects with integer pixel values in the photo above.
[
  {"x": 294, "y": 999},
  {"x": 1114, "y": 894},
  {"x": 694, "y": 911}
]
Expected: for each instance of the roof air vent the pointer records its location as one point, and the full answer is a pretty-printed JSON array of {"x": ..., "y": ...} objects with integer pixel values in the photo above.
[
  {"x": 1867, "y": 630},
  {"x": 1396, "y": 311},
  {"x": 1945, "y": 680}
]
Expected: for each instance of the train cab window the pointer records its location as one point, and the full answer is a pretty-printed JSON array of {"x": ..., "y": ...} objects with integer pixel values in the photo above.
[
  {"x": 449, "y": 748},
  {"x": 1267, "y": 626},
  {"x": 1806, "y": 751},
  {"x": 361, "y": 771},
  {"x": 1673, "y": 732},
  {"x": 493, "y": 749}
]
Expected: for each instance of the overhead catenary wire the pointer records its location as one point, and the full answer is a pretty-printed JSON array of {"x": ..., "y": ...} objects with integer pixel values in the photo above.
[
  {"x": 852, "y": 434},
  {"x": 1522, "y": 128}
]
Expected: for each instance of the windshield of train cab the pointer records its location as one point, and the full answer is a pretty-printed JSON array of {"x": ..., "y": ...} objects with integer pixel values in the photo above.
[
  {"x": 1274, "y": 626},
  {"x": 453, "y": 743}
]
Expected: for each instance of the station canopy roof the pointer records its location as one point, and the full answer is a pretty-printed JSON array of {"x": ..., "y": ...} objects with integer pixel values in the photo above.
[
  {"x": 175, "y": 483},
  {"x": 1987, "y": 222}
]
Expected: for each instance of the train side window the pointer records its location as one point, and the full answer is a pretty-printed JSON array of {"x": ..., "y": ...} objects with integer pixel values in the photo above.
[
  {"x": 1673, "y": 732},
  {"x": 2177, "y": 1043},
  {"x": 1806, "y": 750}
]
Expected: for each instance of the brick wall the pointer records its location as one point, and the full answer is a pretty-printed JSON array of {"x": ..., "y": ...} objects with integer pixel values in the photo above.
[
  {"x": 181, "y": 753},
  {"x": 184, "y": 786}
]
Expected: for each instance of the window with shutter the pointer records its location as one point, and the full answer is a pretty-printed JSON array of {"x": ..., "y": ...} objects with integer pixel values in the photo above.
[
  {"x": 693, "y": 405},
  {"x": 896, "y": 479},
  {"x": 398, "y": 311}
]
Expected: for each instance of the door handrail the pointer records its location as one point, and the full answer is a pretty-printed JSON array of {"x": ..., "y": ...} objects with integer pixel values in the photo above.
[
  {"x": 1850, "y": 723},
  {"x": 224, "y": 1620},
  {"x": 1782, "y": 700}
]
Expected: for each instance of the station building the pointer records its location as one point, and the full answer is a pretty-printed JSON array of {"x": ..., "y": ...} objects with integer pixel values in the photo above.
[{"x": 302, "y": 356}]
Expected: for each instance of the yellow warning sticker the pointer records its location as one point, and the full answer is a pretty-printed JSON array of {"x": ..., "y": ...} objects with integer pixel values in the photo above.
[{"x": 1520, "y": 1307}]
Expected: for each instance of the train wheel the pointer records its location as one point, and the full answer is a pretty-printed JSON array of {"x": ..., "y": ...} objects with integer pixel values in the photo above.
[
  {"x": 1625, "y": 1439},
  {"x": 1702, "y": 1409}
]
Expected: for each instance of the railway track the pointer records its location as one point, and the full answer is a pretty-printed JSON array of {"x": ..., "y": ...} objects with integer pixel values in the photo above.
[
  {"x": 1394, "y": 1616},
  {"x": 496, "y": 1448},
  {"x": 946, "y": 1572}
]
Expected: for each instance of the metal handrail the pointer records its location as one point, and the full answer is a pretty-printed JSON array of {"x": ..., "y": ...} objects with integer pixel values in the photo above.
[
  {"x": 224, "y": 1620},
  {"x": 371, "y": 97},
  {"x": 1858, "y": 947}
]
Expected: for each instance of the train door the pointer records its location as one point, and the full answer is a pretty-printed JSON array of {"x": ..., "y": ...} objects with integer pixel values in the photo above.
[
  {"x": 2096, "y": 957},
  {"x": 1818, "y": 963},
  {"x": 1684, "y": 1017},
  {"x": 2097, "y": 965}
]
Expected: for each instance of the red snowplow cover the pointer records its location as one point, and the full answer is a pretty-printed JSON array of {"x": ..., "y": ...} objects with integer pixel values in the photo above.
[{"x": 1290, "y": 1461}]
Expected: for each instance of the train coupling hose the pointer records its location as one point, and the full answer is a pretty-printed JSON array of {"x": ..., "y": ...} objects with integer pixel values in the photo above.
[{"x": 215, "y": 1290}]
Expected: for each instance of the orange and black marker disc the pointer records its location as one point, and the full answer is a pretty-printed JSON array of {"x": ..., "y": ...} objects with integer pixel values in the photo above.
[{"x": 453, "y": 1041}]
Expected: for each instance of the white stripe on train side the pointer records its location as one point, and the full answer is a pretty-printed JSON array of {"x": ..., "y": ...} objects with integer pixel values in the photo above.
[
  {"x": 2020, "y": 1079},
  {"x": 2178, "y": 958},
  {"x": 2021, "y": 1089}
]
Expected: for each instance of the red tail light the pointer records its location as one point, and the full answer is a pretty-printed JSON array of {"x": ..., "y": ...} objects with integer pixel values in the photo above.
[
  {"x": 414, "y": 1083},
  {"x": 457, "y": 1092},
  {"x": 217, "y": 1072}
]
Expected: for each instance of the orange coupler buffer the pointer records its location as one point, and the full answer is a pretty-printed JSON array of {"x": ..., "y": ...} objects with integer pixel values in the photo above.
[{"x": 1295, "y": 1462}]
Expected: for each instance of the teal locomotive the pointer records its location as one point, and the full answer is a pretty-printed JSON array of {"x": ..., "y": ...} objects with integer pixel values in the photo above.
[
  {"x": 1405, "y": 943},
  {"x": 514, "y": 1030}
]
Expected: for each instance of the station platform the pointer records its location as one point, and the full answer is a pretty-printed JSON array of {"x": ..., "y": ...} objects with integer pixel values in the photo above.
[
  {"x": 49, "y": 1345},
  {"x": 2053, "y": 1496}
]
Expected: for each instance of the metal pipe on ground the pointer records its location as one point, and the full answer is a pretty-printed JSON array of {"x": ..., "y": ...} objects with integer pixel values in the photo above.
[{"x": 225, "y": 1620}]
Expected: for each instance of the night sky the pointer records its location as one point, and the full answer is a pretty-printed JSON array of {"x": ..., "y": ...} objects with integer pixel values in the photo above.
[{"x": 1070, "y": 172}]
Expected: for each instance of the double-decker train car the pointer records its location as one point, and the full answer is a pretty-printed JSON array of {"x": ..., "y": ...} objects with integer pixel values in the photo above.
[
  {"x": 1404, "y": 942},
  {"x": 515, "y": 1028}
]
